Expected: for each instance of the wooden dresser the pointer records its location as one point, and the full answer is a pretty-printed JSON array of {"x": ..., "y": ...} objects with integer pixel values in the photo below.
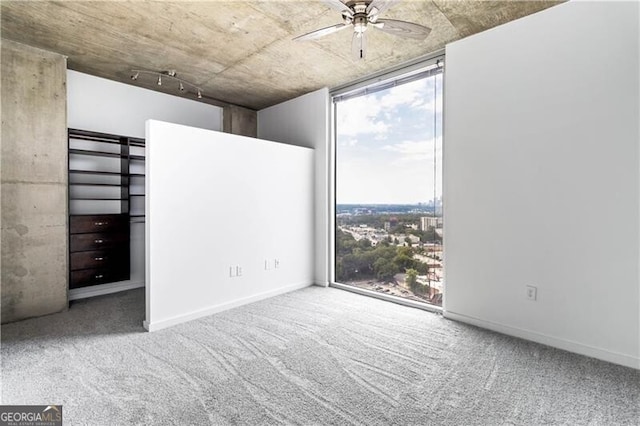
[{"x": 99, "y": 249}]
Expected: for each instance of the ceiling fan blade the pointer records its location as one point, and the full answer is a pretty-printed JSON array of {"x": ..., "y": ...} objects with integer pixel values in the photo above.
[
  {"x": 339, "y": 6},
  {"x": 322, "y": 32},
  {"x": 402, "y": 28},
  {"x": 359, "y": 45},
  {"x": 376, "y": 7}
]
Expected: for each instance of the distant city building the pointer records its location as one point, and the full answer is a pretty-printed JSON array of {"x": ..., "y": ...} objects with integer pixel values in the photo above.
[
  {"x": 438, "y": 206},
  {"x": 429, "y": 222},
  {"x": 392, "y": 223}
]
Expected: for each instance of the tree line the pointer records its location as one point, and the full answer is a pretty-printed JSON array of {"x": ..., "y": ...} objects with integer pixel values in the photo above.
[{"x": 359, "y": 260}]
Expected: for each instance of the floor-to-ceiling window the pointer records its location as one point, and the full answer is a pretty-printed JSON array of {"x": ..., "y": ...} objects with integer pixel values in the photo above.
[{"x": 388, "y": 221}]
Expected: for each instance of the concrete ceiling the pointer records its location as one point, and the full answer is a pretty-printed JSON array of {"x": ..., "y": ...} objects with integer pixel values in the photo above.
[{"x": 238, "y": 52}]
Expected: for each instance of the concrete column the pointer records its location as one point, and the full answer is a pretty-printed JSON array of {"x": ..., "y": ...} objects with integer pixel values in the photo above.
[
  {"x": 240, "y": 121},
  {"x": 33, "y": 182}
]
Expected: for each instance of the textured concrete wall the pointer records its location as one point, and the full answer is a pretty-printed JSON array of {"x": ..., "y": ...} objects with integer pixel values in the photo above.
[
  {"x": 240, "y": 121},
  {"x": 33, "y": 182}
]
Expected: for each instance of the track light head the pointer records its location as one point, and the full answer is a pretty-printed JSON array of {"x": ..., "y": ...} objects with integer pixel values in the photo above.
[{"x": 135, "y": 76}]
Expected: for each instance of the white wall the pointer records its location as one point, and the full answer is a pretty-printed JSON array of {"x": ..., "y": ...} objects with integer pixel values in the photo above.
[
  {"x": 217, "y": 201},
  {"x": 542, "y": 179},
  {"x": 304, "y": 121},
  {"x": 107, "y": 106}
]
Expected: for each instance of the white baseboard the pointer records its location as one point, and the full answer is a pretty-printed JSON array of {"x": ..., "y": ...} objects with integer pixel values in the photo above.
[
  {"x": 102, "y": 289},
  {"x": 567, "y": 345},
  {"x": 159, "y": 325}
]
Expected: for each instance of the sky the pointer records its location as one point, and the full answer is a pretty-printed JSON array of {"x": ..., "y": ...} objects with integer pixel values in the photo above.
[{"x": 385, "y": 145}]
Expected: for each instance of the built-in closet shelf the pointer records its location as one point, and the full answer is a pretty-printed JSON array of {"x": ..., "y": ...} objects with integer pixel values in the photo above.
[
  {"x": 95, "y": 153},
  {"x": 100, "y": 199},
  {"x": 95, "y": 172},
  {"x": 97, "y": 136},
  {"x": 100, "y": 172},
  {"x": 116, "y": 185}
]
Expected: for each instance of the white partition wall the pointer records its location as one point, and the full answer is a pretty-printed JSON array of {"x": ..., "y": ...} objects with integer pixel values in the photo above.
[
  {"x": 542, "y": 177},
  {"x": 229, "y": 221},
  {"x": 304, "y": 121}
]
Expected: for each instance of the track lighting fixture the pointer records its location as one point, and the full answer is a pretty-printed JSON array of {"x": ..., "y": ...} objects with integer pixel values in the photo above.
[{"x": 171, "y": 75}]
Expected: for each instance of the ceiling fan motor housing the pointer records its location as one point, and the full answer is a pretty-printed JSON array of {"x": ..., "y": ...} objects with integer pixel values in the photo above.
[{"x": 359, "y": 19}]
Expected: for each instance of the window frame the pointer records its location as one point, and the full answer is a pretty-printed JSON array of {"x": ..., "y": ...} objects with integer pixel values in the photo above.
[{"x": 420, "y": 68}]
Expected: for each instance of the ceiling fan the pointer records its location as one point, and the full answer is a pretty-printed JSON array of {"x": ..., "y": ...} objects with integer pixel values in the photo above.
[{"x": 362, "y": 14}]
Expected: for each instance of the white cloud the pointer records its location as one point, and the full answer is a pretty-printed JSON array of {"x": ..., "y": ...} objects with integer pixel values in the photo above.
[
  {"x": 366, "y": 181},
  {"x": 411, "y": 151},
  {"x": 405, "y": 94},
  {"x": 370, "y": 114},
  {"x": 359, "y": 116},
  {"x": 350, "y": 142}
]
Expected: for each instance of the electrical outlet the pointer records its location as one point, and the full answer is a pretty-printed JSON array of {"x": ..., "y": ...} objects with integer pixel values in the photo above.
[
  {"x": 276, "y": 263},
  {"x": 532, "y": 293},
  {"x": 235, "y": 271}
]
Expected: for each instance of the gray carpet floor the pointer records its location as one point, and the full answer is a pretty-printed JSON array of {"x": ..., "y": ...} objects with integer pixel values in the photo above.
[{"x": 312, "y": 357}]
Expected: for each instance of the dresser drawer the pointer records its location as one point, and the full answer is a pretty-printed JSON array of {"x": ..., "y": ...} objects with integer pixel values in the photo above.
[
  {"x": 99, "y": 259},
  {"x": 98, "y": 241},
  {"x": 97, "y": 223},
  {"x": 87, "y": 277}
]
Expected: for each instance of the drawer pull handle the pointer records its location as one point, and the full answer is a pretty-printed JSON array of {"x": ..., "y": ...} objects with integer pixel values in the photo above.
[
  {"x": 100, "y": 223},
  {"x": 99, "y": 276},
  {"x": 98, "y": 258},
  {"x": 98, "y": 241}
]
